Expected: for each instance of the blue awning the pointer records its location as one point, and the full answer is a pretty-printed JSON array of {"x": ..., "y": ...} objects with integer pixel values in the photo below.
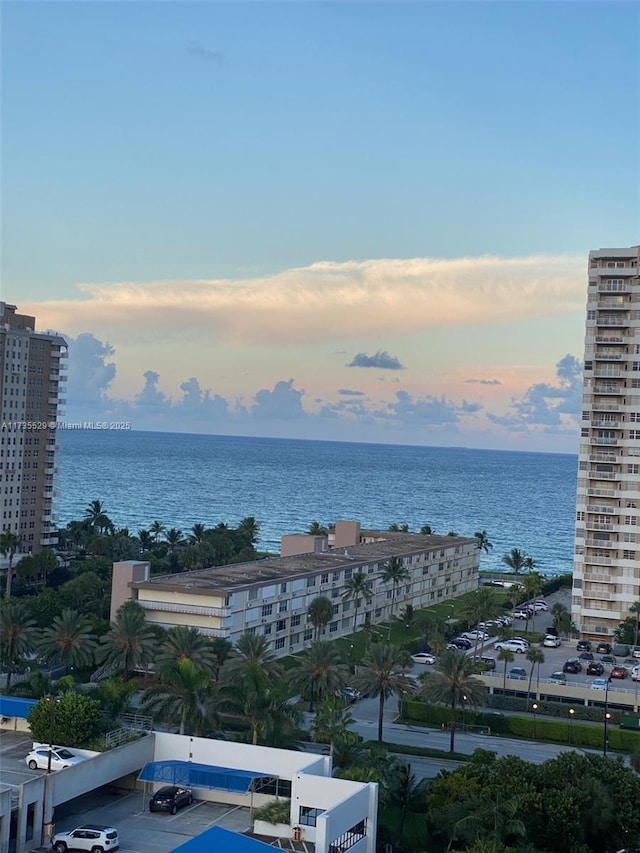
[
  {"x": 201, "y": 775},
  {"x": 13, "y": 706},
  {"x": 218, "y": 838}
]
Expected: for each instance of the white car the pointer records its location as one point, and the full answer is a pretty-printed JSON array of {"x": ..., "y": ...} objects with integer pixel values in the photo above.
[
  {"x": 92, "y": 837},
  {"x": 423, "y": 657},
  {"x": 523, "y": 614},
  {"x": 635, "y": 673},
  {"x": 551, "y": 642},
  {"x": 540, "y": 605},
  {"x": 511, "y": 646},
  {"x": 60, "y": 758},
  {"x": 599, "y": 683},
  {"x": 476, "y": 635}
]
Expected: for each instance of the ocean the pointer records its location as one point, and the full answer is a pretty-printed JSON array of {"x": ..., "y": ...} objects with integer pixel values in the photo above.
[{"x": 522, "y": 500}]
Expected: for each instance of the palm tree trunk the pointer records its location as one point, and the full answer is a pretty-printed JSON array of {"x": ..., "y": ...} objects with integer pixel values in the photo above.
[
  {"x": 254, "y": 734},
  {"x": 530, "y": 680},
  {"x": 380, "y": 716},
  {"x": 7, "y": 589},
  {"x": 504, "y": 678},
  {"x": 452, "y": 725}
]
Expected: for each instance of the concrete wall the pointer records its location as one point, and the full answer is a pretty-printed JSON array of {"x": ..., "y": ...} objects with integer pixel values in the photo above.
[
  {"x": 347, "y": 533},
  {"x": 124, "y": 572},
  {"x": 346, "y": 803},
  {"x": 301, "y": 543}
]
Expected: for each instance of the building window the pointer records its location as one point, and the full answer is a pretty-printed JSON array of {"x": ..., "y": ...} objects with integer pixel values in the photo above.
[
  {"x": 628, "y": 555},
  {"x": 335, "y": 593},
  {"x": 335, "y": 576},
  {"x": 267, "y": 610},
  {"x": 281, "y": 625},
  {"x": 311, "y": 581},
  {"x": 283, "y": 589},
  {"x": 308, "y": 815},
  {"x": 252, "y": 595},
  {"x": 267, "y": 630},
  {"x": 307, "y": 636},
  {"x": 283, "y": 606},
  {"x": 333, "y": 627},
  {"x": 324, "y": 578},
  {"x": 295, "y": 621},
  {"x": 336, "y": 609},
  {"x": 347, "y": 574},
  {"x": 280, "y": 643},
  {"x": 346, "y": 607}
]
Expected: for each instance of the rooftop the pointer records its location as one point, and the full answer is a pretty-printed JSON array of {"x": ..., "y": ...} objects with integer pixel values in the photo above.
[{"x": 243, "y": 575}]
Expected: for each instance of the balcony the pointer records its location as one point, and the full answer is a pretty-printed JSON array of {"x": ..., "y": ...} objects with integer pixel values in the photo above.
[
  {"x": 608, "y": 355},
  {"x": 599, "y": 525},
  {"x": 598, "y": 406},
  {"x": 191, "y": 609},
  {"x": 612, "y": 304},
  {"x": 596, "y": 561},
  {"x": 604, "y": 475},
  {"x": 606, "y": 423},
  {"x": 612, "y": 321},
  {"x": 603, "y": 510},
  {"x": 604, "y": 441},
  {"x": 608, "y": 373},
  {"x": 610, "y": 458},
  {"x": 600, "y": 543},
  {"x": 611, "y": 339},
  {"x": 608, "y": 388}
]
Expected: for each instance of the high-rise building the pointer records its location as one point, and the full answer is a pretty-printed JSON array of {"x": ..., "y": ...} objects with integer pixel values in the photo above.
[
  {"x": 31, "y": 378},
  {"x": 606, "y": 579}
]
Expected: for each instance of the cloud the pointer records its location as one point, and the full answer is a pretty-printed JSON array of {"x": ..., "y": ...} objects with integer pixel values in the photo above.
[
  {"x": 547, "y": 405},
  {"x": 329, "y": 301},
  {"x": 347, "y": 392},
  {"x": 483, "y": 381},
  {"x": 196, "y": 48},
  {"x": 429, "y": 410},
  {"x": 90, "y": 375},
  {"x": 382, "y": 360},
  {"x": 283, "y": 403}
]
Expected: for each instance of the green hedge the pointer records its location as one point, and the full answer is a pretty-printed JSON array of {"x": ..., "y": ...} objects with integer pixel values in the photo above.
[
  {"x": 555, "y": 709},
  {"x": 554, "y": 584},
  {"x": 555, "y": 731}
]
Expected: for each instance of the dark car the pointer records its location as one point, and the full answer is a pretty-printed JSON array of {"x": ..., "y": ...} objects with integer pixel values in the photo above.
[
  {"x": 603, "y": 649},
  {"x": 350, "y": 694},
  {"x": 461, "y": 643},
  {"x": 517, "y": 672},
  {"x": 572, "y": 665},
  {"x": 608, "y": 659},
  {"x": 619, "y": 672},
  {"x": 583, "y": 646},
  {"x": 585, "y": 656},
  {"x": 595, "y": 668},
  {"x": 170, "y": 799},
  {"x": 551, "y": 631},
  {"x": 485, "y": 662},
  {"x": 621, "y": 650}
]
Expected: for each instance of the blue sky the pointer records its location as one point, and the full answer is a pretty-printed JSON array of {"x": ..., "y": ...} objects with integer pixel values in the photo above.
[{"x": 203, "y": 185}]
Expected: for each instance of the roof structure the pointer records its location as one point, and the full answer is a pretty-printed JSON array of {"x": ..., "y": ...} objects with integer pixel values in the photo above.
[
  {"x": 218, "y": 838},
  {"x": 238, "y": 575},
  {"x": 192, "y": 775},
  {"x": 13, "y": 706}
]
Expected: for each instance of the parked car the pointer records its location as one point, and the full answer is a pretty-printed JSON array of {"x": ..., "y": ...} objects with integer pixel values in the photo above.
[
  {"x": 603, "y": 649},
  {"x": 523, "y": 613},
  {"x": 635, "y": 651},
  {"x": 91, "y": 836},
  {"x": 551, "y": 642},
  {"x": 511, "y": 646},
  {"x": 460, "y": 643},
  {"x": 522, "y": 640},
  {"x": 572, "y": 665},
  {"x": 595, "y": 668},
  {"x": 551, "y": 630},
  {"x": 350, "y": 694},
  {"x": 517, "y": 672},
  {"x": 585, "y": 656},
  {"x": 608, "y": 659},
  {"x": 60, "y": 758},
  {"x": 621, "y": 650},
  {"x": 485, "y": 662},
  {"x": 475, "y": 635},
  {"x": 583, "y": 646},
  {"x": 423, "y": 657},
  {"x": 170, "y": 799},
  {"x": 558, "y": 676},
  {"x": 618, "y": 672},
  {"x": 635, "y": 673},
  {"x": 540, "y": 605},
  {"x": 599, "y": 683}
]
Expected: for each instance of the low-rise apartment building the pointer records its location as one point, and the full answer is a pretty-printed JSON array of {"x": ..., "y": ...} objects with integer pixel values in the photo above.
[{"x": 272, "y": 596}]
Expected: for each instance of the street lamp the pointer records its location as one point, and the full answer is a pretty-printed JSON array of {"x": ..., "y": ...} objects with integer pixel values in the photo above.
[
  {"x": 52, "y": 717},
  {"x": 535, "y": 708},
  {"x": 571, "y": 713},
  {"x": 464, "y": 713}
]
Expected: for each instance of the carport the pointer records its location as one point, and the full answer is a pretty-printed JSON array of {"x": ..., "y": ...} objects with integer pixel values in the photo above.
[{"x": 189, "y": 774}]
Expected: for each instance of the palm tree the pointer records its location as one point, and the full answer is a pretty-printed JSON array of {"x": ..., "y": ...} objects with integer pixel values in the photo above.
[
  {"x": 561, "y": 618},
  {"x": 331, "y": 722},
  {"x": 97, "y": 517},
  {"x": 407, "y": 792},
  {"x": 9, "y": 542},
  {"x": 455, "y": 677},
  {"x": 515, "y": 559},
  {"x": 529, "y": 563},
  {"x": 495, "y": 820},
  {"x": 318, "y": 672},
  {"x": 173, "y": 538},
  {"x": 197, "y": 532},
  {"x": 533, "y": 586},
  {"x": 156, "y": 528},
  {"x": 250, "y": 528},
  {"x": 635, "y": 611},
  {"x": 252, "y": 664},
  {"x": 407, "y": 615},
  {"x": 535, "y": 657},
  {"x": 186, "y": 643},
  {"x": 358, "y": 586},
  {"x": 17, "y": 636},
  {"x": 482, "y": 541},
  {"x": 320, "y": 613},
  {"x": 145, "y": 540},
  {"x": 317, "y": 529},
  {"x": 481, "y": 606},
  {"x": 184, "y": 692},
  {"x": 130, "y": 642},
  {"x": 69, "y": 641},
  {"x": 426, "y": 530},
  {"x": 506, "y": 656},
  {"x": 394, "y": 572},
  {"x": 381, "y": 676}
]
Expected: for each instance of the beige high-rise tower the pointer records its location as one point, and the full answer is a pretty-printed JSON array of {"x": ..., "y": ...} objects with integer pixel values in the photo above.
[
  {"x": 606, "y": 579},
  {"x": 31, "y": 377}
]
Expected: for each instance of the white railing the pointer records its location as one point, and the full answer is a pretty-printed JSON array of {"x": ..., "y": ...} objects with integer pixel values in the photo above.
[{"x": 191, "y": 609}]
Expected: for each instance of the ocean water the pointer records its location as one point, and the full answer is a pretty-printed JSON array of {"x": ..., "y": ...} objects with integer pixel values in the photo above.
[{"x": 522, "y": 500}]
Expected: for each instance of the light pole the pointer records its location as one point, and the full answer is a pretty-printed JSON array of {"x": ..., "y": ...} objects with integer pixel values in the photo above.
[
  {"x": 464, "y": 713},
  {"x": 571, "y": 713},
  {"x": 534, "y": 708},
  {"x": 52, "y": 716},
  {"x": 607, "y": 717}
]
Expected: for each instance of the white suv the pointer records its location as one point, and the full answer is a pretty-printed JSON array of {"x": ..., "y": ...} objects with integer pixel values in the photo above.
[
  {"x": 512, "y": 645},
  {"x": 91, "y": 837}
]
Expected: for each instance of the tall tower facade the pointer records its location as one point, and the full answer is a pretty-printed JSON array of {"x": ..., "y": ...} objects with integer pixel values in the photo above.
[
  {"x": 32, "y": 375},
  {"x": 606, "y": 578}
]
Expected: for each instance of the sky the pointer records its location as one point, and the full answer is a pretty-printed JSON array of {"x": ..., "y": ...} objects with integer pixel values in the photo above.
[{"x": 359, "y": 221}]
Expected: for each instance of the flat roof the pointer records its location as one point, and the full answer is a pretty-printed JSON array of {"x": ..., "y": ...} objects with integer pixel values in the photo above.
[
  {"x": 277, "y": 569},
  {"x": 218, "y": 838},
  {"x": 13, "y": 706}
]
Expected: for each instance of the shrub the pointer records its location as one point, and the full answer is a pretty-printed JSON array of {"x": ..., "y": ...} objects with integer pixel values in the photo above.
[{"x": 277, "y": 811}]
